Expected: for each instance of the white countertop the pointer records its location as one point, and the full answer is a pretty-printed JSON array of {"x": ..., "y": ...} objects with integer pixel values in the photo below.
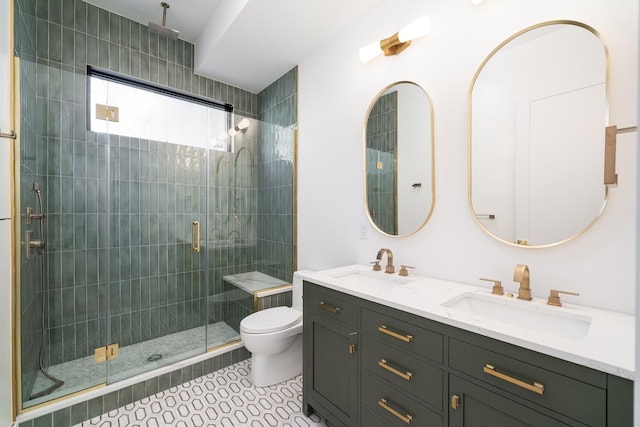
[
  {"x": 254, "y": 281},
  {"x": 608, "y": 345}
]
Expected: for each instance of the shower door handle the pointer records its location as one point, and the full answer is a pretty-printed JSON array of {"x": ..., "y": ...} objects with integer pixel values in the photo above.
[{"x": 195, "y": 236}]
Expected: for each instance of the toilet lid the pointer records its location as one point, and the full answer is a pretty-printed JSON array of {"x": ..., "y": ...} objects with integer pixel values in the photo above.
[{"x": 270, "y": 320}]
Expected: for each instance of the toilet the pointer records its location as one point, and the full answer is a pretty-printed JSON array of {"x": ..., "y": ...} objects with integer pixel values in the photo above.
[{"x": 274, "y": 338}]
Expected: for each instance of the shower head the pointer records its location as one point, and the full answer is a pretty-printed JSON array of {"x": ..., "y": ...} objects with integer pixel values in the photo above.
[{"x": 163, "y": 30}]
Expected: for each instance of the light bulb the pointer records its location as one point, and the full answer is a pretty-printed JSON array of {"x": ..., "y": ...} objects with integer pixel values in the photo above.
[
  {"x": 243, "y": 124},
  {"x": 232, "y": 132},
  {"x": 418, "y": 28},
  {"x": 370, "y": 51}
]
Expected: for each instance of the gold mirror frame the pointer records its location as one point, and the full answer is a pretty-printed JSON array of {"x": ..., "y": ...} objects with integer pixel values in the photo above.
[
  {"x": 430, "y": 141},
  {"x": 523, "y": 244}
]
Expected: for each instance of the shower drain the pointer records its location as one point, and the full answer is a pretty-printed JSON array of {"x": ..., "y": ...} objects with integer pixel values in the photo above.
[{"x": 154, "y": 358}]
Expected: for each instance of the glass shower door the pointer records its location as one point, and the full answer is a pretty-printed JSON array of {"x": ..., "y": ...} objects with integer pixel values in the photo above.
[{"x": 157, "y": 225}]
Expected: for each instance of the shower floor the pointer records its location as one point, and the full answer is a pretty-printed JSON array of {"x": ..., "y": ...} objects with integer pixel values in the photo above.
[{"x": 134, "y": 359}]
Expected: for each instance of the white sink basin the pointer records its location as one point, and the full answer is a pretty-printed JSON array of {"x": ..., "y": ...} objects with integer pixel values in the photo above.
[
  {"x": 558, "y": 321},
  {"x": 356, "y": 278}
]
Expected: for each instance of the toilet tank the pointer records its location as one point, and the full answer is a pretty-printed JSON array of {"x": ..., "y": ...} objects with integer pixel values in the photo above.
[{"x": 296, "y": 301}]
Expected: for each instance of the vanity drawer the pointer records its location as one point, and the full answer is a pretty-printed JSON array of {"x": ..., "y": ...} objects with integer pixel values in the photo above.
[
  {"x": 403, "y": 335},
  {"x": 569, "y": 396},
  {"x": 407, "y": 372},
  {"x": 385, "y": 401},
  {"x": 329, "y": 304}
]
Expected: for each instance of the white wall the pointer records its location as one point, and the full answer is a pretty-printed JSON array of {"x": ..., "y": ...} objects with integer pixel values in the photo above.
[
  {"x": 5, "y": 223},
  {"x": 335, "y": 90}
]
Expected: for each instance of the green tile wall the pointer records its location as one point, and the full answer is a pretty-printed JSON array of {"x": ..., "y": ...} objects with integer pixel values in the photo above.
[{"x": 276, "y": 186}]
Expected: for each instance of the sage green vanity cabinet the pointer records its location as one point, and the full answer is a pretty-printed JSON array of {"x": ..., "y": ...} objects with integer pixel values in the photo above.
[
  {"x": 369, "y": 365},
  {"x": 330, "y": 355}
]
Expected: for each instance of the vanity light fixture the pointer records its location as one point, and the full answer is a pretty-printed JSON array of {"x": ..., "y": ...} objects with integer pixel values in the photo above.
[
  {"x": 398, "y": 42},
  {"x": 242, "y": 126}
]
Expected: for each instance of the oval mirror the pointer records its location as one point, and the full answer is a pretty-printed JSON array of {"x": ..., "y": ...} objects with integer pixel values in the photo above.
[
  {"x": 398, "y": 159},
  {"x": 538, "y": 112}
]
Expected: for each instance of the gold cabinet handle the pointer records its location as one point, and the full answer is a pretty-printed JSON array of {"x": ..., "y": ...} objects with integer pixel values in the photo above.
[
  {"x": 195, "y": 236},
  {"x": 406, "y": 375},
  {"x": 329, "y": 308},
  {"x": 402, "y": 337},
  {"x": 385, "y": 405},
  {"x": 455, "y": 401},
  {"x": 535, "y": 387}
]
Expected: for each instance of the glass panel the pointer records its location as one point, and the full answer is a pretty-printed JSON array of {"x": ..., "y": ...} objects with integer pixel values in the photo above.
[
  {"x": 157, "y": 226},
  {"x": 62, "y": 270}
]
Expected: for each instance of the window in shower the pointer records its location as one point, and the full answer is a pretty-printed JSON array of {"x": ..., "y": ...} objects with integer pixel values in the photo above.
[{"x": 141, "y": 110}]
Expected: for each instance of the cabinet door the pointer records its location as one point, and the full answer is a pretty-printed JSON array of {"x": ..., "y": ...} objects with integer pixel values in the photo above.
[
  {"x": 478, "y": 407},
  {"x": 331, "y": 368}
]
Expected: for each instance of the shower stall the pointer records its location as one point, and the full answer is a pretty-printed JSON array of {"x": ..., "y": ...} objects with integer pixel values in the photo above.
[{"x": 135, "y": 201}]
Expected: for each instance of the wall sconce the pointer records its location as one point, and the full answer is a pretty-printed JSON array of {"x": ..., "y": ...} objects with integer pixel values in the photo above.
[
  {"x": 398, "y": 42},
  {"x": 242, "y": 126}
]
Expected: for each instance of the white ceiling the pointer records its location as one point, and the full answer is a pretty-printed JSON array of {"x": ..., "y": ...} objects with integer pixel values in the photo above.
[{"x": 248, "y": 43}]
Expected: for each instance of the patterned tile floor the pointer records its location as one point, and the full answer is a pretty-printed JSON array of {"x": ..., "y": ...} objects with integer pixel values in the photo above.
[{"x": 223, "y": 398}]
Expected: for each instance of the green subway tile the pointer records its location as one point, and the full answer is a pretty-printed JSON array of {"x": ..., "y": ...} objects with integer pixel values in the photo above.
[
  {"x": 95, "y": 407},
  {"x": 125, "y": 32},
  {"x": 135, "y": 36},
  {"x": 138, "y": 391},
  {"x": 81, "y": 333},
  {"x": 110, "y": 401},
  {"x": 114, "y": 57},
  {"x": 143, "y": 39},
  {"x": 62, "y": 417},
  {"x": 114, "y": 28},
  {"x": 69, "y": 342},
  {"x": 92, "y": 304},
  {"x": 103, "y": 53},
  {"x": 92, "y": 50},
  {"x": 164, "y": 382},
  {"x": 144, "y": 66},
  {"x": 80, "y": 15},
  {"x": 125, "y": 396},
  {"x": 80, "y": 49},
  {"x": 80, "y": 275},
  {"x": 68, "y": 46},
  {"x": 163, "y": 47},
  {"x": 153, "y": 44},
  {"x": 151, "y": 386},
  {"x": 125, "y": 61},
  {"x": 55, "y": 11},
  {"x": 79, "y": 413},
  {"x": 43, "y": 421},
  {"x": 42, "y": 39},
  {"x": 55, "y": 42},
  {"x": 103, "y": 24}
]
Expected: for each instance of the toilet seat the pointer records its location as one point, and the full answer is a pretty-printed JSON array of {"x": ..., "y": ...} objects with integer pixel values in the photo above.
[{"x": 270, "y": 320}]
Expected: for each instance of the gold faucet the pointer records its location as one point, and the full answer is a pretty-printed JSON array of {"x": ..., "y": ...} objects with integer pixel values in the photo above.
[
  {"x": 521, "y": 274},
  {"x": 389, "y": 268}
]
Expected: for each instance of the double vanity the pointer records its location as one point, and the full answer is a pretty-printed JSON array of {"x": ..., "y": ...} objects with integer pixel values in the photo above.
[{"x": 386, "y": 349}]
